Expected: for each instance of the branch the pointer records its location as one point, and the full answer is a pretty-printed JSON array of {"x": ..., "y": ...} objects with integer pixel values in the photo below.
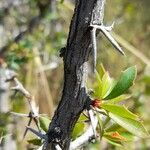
[
  {"x": 74, "y": 97},
  {"x": 86, "y": 137},
  {"x": 34, "y": 110}
]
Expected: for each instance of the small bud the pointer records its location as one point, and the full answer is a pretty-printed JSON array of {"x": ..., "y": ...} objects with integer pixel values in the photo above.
[
  {"x": 96, "y": 103},
  {"x": 118, "y": 136}
]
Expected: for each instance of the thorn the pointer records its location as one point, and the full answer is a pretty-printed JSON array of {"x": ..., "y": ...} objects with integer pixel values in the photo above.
[
  {"x": 105, "y": 30},
  {"x": 27, "y": 128},
  {"x": 112, "y": 40},
  {"x": 37, "y": 124},
  {"x": 109, "y": 28},
  {"x": 39, "y": 134}
]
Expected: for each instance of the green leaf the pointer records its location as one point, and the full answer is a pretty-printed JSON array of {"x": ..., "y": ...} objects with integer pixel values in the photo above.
[
  {"x": 113, "y": 127},
  {"x": 116, "y": 127},
  {"x": 44, "y": 123},
  {"x": 119, "y": 99},
  {"x": 111, "y": 141},
  {"x": 126, "y": 80},
  {"x": 79, "y": 127},
  {"x": 106, "y": 84},
  {"x": 118, "y": 110},
  {"x": 35, "y": 142},
  {"x": 78, "y": 130},
  {"x": 101, "y": 71},
  {"x": 98, "y": 86},
  {"x": 133, "y": 126},
  {"x": 128, "y": 136},
  {"x": 100, "y": 125}
]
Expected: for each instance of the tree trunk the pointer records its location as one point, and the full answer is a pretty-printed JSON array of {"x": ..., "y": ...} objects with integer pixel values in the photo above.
[{"x": 75, "y": 55}]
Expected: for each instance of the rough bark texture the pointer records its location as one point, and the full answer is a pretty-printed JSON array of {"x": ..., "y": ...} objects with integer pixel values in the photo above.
[{"x": 75, "y": 56}]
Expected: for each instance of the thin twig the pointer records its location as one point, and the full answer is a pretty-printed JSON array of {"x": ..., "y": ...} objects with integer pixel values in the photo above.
[{"x": 34, "y": 110}]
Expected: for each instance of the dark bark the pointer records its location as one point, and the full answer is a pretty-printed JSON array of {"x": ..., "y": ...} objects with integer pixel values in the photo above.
[{"x": 75, "y": 55}]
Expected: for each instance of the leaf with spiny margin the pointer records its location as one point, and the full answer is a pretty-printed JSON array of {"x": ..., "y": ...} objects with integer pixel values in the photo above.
[
  {"x": 126, "y": 80},
  {"x": 133, "y": 126},
  {"x": 44, "y": 123},
  {"x": 118, "y": 110}
]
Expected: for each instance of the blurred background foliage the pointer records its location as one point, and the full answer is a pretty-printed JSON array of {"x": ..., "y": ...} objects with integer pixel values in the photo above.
[{"x": 33, "y": 32}]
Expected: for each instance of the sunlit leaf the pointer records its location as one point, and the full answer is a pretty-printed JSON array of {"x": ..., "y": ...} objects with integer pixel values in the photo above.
[
  {"x": 106, "y": 84},
  {"x": 113, "y": 127},
  {"x": 101, "y": 70},
  {"x": 119, "y": 99},
  {"x": 79, "y": 127},
  {"x": 118, "y": 110},
  {"x": 126, "y": 80},
  {"x": 78, "y": 130},
  {"x": 133, "y": 126},
  {"x": 44, "y": 123}
]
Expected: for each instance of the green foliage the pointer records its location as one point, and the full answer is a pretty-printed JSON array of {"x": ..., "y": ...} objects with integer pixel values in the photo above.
[
  {"x": 118, "y": 110},
  {"x": 127, "y": 123},
  {"x": 126, "y": 80},
  {"x": 44, "y": 123},
  {"x": 79, "y": 127},
  {"x": 132, "y": 125}
]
